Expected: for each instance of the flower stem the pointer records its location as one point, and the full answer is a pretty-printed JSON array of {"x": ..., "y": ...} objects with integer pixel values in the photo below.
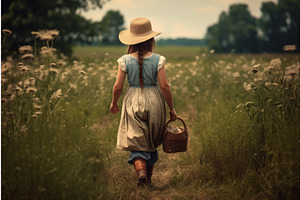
[
  {"x": 34, "y": 46},
  {"x": 3, "y": 41},
  {"x": 66, "y": 92}
]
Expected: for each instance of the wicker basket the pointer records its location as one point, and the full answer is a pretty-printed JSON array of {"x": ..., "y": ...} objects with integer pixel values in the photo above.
[{"x": 175, "y": 139}]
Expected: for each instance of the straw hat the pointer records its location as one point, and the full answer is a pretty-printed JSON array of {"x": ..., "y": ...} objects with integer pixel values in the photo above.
[{"x": 140, "y": 31}]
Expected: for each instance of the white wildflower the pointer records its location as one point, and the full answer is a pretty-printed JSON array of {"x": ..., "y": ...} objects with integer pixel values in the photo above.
[
  {"x": 32, "y": 81},
  {"x": 28, "y": 56},
  {"x": 36, "y": 106},
  {"x": 236, "y": 75},
  {"x": 289, "y": 47},
  {"x": 45, "y": 35},
  {"x": 279, "y": 106},
  {"x": 56, "y": 94},
  {"x": 83, "y": 72},
  {"x": 4, "y": 68},
  {"x": 292, "y": 70},
  {"x": 4, "y": 100},
  {"x": 247, "y": 87},
  {"x": 54, "y": 70},
  {"x": 31, "y": 90},
  {"x": 45, "y": 51},
  {"x": 24, "y": 68},
  {"x": 268, "y": 83},
  {"x": 38, "y": 113},
  {"x": 25, "y": 49},
  {"x": 36, "y": 99},
  {"x": 42, "y": 67},
  {"x": 19, "y": 90},
  {"x": 62, "y": 63},
  {"x": 35, "y": 34},
  {"x": 7, "y": 32},
  {"x": 275, "y": 62},
  {"x": 254, "y": 68},
  {"x": 54, "y": 33}
]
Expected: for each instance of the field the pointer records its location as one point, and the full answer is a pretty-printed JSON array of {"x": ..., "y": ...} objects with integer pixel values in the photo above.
[{"x": 242, "y": 112}]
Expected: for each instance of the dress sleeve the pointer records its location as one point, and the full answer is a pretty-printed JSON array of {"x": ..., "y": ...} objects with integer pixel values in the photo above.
[
  {"x": 161, "y": 62},
  {"x": 122, "y": 64}
]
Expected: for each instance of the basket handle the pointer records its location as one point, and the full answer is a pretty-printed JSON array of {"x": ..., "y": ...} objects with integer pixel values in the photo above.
[{"x": 175, "y": 120}]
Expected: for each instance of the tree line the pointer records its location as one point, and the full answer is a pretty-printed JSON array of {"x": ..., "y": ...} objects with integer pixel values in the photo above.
[
  {"x": 23, "y": 17},
  {"x": 181, "y": 42},
  {"x": 237, "y": 30}
]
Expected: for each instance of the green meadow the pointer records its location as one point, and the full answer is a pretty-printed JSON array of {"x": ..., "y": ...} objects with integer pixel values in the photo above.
[{"x": 58, "y": 137}]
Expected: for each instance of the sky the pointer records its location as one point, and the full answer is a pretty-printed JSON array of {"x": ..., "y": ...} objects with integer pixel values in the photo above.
[{"x": 174, "y": 18}]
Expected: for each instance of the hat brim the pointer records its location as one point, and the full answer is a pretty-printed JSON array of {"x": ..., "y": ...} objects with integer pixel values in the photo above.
[{"x": 126, "y": 37}]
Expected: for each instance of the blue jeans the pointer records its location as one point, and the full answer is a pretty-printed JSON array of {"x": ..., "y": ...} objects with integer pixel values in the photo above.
[{"x": 149, "y": 157}]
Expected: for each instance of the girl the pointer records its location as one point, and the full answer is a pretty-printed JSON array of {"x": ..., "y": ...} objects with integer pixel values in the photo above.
[{"x": 143, "y": 113}]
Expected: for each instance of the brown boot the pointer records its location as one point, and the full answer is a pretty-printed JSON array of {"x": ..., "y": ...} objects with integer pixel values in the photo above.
[
  {"x": 141, "y": 170},
  {"x": 149, "y": 174}
]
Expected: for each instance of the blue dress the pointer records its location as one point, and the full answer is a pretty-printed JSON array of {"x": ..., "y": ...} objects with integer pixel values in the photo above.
[{"x": 143, "y": 112}]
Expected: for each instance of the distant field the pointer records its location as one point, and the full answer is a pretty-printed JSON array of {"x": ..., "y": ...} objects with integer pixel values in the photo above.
[{"x": 174, "y": 53}]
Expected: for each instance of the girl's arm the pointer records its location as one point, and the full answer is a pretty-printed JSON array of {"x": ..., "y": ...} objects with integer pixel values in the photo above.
[
  {"x": 117, "y": 91},
  {"x": 166, "y": 91}
]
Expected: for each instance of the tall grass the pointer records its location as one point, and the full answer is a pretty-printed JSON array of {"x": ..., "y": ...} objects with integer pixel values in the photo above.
[
  {"x": 58, "y": 139},
  {"x": 49, "y": 150},
  {"x": 247, "y": 124}
]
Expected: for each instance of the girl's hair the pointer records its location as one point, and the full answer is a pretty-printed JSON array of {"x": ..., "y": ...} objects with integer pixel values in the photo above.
[{"x": 142, "y": 48}]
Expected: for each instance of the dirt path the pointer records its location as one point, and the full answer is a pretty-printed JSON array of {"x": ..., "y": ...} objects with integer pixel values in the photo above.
[{"x": 121, "y": 176}]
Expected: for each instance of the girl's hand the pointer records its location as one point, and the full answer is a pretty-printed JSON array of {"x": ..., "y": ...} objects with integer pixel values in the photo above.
[
  {"x": 114, "y": 109},
  {"x": 173, "y": 115}
]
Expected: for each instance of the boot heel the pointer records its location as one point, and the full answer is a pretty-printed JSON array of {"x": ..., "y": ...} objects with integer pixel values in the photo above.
[{"x": 142, "y": 178}]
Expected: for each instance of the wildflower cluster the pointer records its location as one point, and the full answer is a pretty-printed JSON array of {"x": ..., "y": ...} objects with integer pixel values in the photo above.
[
  {"x": 45, "y": 34},
  {"x": 33, "y": 87}
]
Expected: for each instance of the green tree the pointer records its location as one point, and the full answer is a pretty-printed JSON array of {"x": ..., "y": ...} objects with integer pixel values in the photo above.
[
  {"x": 24, "y": 16},
  {"x": 279, "y": 24},
  {"x": 111, "y": 24},
  {"x": 235, "y": 30}
]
